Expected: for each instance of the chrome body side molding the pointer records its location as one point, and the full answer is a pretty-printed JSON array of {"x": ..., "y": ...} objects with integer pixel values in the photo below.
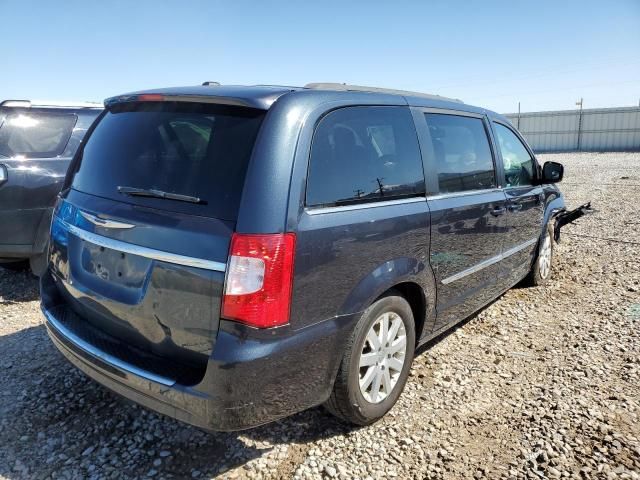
[
  {"x": 363, "y": 206},
  {"x": 489, "y": 261}
]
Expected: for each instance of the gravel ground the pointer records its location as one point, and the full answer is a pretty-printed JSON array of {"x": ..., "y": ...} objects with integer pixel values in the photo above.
[{"x": 543, "y": 383}]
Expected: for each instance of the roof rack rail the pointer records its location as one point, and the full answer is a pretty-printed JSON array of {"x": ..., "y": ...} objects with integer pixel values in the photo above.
[
  {"x": 48, "y": 103},
  {"x": 344, "y": 87},
  {"x": 16, "y": 103},
  {"x": 210, "y": 84}
]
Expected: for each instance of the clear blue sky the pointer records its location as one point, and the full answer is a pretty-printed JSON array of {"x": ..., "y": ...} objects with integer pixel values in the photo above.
[{"x": 543, "y": 53}]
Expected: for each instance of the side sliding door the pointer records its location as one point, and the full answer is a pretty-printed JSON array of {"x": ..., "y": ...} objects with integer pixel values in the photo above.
[{"x": 468, "y": 211}]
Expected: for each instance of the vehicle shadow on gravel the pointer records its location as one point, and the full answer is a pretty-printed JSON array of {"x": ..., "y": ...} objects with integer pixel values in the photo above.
[
  {"x": 18, "y": 286},
  {"x": 451, "y": 330},
  {"x": 53, "y": 419}
]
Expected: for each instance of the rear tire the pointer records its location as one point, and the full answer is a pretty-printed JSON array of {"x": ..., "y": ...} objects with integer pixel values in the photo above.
[
  {"x": 376, "y": 362},
  {"x": 541, "y": 270}
]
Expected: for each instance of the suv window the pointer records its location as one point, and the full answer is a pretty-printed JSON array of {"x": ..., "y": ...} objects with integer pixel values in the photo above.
[
  {"x": 199, "y": 150},
  {"x": 35, "y": 134},
  {"x": 462, "y": 154},
  {"x": 364, "y": 154},
  {"x": 518, "y": 164}
]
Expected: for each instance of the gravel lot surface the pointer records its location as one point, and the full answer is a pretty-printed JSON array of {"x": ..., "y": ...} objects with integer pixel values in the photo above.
[{"x": 545, "y": 382}]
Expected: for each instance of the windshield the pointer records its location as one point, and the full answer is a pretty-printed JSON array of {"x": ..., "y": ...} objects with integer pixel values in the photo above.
[
  {"x": 30, "y": 134},
  {"x": 188, "y": 149}
]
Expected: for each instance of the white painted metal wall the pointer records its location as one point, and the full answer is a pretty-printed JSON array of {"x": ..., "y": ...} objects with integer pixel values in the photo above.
[{"x": 599, "y": 130}]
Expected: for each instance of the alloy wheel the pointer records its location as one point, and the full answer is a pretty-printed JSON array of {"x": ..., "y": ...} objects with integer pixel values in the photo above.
[
  {"x": 544, "y": 257},
  {"x": 382, "y": 357}
]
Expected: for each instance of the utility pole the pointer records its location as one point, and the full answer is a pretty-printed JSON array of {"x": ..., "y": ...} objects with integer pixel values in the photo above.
[
  {"x": 518, "y": 125},
  {"x": 579, "y": 122}
]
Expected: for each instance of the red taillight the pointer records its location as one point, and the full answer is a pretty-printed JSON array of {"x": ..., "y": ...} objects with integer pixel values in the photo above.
[
  {"x": 150, "y": 97},
  {"x": 259, "y": 279}
]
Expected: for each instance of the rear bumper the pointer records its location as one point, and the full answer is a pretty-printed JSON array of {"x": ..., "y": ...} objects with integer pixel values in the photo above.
[{"x": 253, "y": 376}]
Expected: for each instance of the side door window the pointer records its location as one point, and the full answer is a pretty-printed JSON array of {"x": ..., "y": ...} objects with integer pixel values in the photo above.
[
  {"x": 519, "y": 166},
  {"x": 364, "y": 154},
  {"x": 462, "y": 153}
]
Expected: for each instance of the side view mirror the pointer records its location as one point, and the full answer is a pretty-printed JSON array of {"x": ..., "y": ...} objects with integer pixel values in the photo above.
[{"x": 552, "y": 172}]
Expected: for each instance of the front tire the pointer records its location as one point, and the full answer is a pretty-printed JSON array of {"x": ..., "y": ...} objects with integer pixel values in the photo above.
[
  {"x": 376, "y": 363},
  {"x": 541, "y": 270}
]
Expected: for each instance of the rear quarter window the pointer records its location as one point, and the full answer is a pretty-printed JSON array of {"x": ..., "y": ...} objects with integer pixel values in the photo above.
[
  {"x": 364, "y": 154},
  {"x": 32, "y": 134}
]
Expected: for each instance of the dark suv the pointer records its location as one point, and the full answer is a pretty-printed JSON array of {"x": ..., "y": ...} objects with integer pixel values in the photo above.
[
  {"x": 231, "y": 255},
  {"x": 37, "y": 142}
]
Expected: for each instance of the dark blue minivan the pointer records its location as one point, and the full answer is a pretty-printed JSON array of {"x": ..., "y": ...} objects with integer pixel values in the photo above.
[{"x": 231, "y": 255}]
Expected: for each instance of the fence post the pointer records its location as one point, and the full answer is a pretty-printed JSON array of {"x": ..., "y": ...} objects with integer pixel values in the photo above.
[{"x": 579, "y": 123}]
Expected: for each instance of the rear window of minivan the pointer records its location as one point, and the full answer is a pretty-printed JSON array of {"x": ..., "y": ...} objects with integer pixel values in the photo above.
[{"x": 191, "y": 149}]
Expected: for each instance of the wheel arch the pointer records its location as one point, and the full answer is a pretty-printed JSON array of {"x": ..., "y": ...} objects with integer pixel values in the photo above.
[
  {"x": 417, "y": 300},
  {"x": 553, "y": 207},
  {"x": 411, "y": 278}
]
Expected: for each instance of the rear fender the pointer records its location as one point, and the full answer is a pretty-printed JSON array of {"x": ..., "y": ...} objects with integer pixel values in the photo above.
[
  {"x": 41, "y": 239},
  {"x": 385, "y": 277}
]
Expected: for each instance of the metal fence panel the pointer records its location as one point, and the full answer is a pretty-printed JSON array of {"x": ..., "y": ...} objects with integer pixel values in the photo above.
[{"x": 601, "y": 129}]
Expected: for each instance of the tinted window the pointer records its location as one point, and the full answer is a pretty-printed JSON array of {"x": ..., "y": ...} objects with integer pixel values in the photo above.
[
  {"x": 35, "y": 134},
  {"x": 518, "y": 164},
  {"x": 364, "y": 154},
  {"x": 462, "y": 153},
  {"x": 200, "y": 150}
]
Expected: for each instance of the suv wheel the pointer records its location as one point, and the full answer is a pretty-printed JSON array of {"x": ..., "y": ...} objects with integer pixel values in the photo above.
[
  {"x": 541, "y": 270},
  {"x": 376, "y": 362}
]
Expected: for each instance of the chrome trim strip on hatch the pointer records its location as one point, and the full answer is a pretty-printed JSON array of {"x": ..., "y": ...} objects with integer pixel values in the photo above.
[
  {"x": 105, "y": 357},
  {"x": 146, "y": 252},
  {"x": 489, "y": 261},
  {"x": 103, "y": 222}
]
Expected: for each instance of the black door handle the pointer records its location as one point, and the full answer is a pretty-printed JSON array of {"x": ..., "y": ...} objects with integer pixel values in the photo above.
[{"x": 498, "y": 211}]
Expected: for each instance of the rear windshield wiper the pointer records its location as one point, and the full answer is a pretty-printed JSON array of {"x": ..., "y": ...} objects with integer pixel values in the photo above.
[{"x": 149, "y": 192}]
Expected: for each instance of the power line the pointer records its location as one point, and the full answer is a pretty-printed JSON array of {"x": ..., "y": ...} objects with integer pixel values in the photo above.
[
  {"x": 555, "y": 89},
  {"x": 552, "y": 71}
]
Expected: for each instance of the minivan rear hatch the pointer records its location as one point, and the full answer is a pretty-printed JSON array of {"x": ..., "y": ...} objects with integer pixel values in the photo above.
[{"x": 140, "y": 241}]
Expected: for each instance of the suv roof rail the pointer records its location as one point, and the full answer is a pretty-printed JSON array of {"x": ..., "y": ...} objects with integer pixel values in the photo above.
[
  {"x": 344, "y": 87},
  {"x": 48, "y": 103},
  {"x": 16, "y": 103},
  {"x": 210, "y": 84}
]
